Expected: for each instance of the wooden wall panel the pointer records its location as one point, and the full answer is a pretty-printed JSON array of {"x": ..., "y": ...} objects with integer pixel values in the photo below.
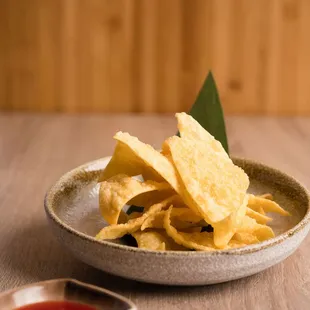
[{"x": 152, "y": 55}]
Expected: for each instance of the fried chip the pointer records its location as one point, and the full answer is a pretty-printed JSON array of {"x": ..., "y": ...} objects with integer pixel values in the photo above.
[
  {"x": 148, "y": 199},
  {"x": 151, "y": 240},
  {"x": 260, "y": 218},
  {"x": 264, "y": 232},
  {"x": 190, "y": 129},
  {"x": 153, "y": 159},
  {"x": 201, "y": 241},
  {"x": 154, "y": 221},
  {"x": 115, "y": 231},
  {"x": 191, "y": 229},
  {"x": 183, "y": 238},
  {"x": 156, "y": 240},
  {"x": 260, "y": 210},
  {"x": 157, "y": 162},
  {"x": 256, "y": 202},
  {"x": 225, "y": 229},
  {"x": 267, "y": 196},
  {"x": 213, "y": 184},
  {"x": 249, "y": 225},
  {"x": 246, "y": 238},
  {"x": 134, "y": 215},
  {"x": 125, "y": 161},
  {"x": 185, "y": 215},
  {"x": 205, "y": 239},
  {"x": 117, "y": 191},
  {"x": 181, "y": 218}
]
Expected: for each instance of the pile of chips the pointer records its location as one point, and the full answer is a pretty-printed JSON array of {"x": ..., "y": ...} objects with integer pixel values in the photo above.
[{"x": 192, "y": 194}]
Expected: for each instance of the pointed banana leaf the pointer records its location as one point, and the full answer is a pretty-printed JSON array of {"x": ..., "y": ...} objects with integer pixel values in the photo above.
[{"x": 207, "y": 110}]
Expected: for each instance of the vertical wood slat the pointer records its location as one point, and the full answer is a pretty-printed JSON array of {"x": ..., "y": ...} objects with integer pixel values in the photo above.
[
  {"x": 5, "y": 100},
  {"x": 289, "y": 52},
  {"x": 147, "y": 29},
  {"x": 168, "y": 59},
  {"x": 22, "y": 54},
  {"x": 153, "y": 55},
  {"x": 69, "y": 49},
  {"x": 196, "y": 48},
  {"x": 48, "y": 83},
  {"x": 303, "y": 63}
]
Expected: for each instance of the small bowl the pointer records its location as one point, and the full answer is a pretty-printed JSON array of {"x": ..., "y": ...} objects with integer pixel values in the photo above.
[
  {"x": 64, "y": 290},
  {"x": 72, "y": 209}
]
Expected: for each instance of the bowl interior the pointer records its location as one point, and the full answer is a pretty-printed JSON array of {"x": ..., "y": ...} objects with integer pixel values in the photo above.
[{"x": 75, "y": 197}]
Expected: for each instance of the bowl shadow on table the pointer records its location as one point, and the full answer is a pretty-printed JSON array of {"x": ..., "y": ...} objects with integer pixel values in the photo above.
[{"x": 35, "y": 255}]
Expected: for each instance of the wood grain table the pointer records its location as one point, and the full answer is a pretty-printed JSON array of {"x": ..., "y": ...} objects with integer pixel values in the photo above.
[{"x": 37, "y": 149}]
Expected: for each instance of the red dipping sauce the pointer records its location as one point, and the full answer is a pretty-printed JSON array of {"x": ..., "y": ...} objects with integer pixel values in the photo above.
[{"x": 56, "y": 305}]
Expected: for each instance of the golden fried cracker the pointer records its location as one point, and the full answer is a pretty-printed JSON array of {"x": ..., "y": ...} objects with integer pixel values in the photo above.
[
  {"x": 153, "y": 159},
  {"x": 117, "y": 191},
  {"x": 213, "y": 185},
  {"x": 256, "y": 202},
  {"x": 156, "y": 240},
  {"x": 181, "y": 218},
  {"x": 115, "y": 231},
  {"x": 201, "y": 241},
  {"x": 260, "y": 218},
  {"x": 125, "y": 161},
  {"x": 249, "y": 225},
  {"x": 267, "y": 196}
]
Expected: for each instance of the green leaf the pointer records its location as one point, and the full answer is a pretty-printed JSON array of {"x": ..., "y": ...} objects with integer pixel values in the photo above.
[{"x": 207, "y": 110}]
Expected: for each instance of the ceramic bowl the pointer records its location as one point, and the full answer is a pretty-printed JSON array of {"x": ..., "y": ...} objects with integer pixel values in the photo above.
[
  {"x": 72, "y": 209},
  {"x": 64, "y": 290}
]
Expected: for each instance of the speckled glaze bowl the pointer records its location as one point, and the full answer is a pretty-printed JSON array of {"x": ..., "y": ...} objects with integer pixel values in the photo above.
[{"x": 72, "y": 209}]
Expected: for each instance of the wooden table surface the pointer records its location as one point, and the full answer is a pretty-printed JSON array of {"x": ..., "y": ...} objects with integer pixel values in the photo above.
[{"x": 35, "y": 150}]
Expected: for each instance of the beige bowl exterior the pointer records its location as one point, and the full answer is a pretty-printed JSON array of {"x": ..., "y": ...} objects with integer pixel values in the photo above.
[{"x": 71, "y": 208}]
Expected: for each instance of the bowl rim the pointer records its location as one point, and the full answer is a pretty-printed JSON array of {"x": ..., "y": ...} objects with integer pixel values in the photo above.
[
  {"x": 59, "y": 185},
  {"x": 69, "y": 280}
]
